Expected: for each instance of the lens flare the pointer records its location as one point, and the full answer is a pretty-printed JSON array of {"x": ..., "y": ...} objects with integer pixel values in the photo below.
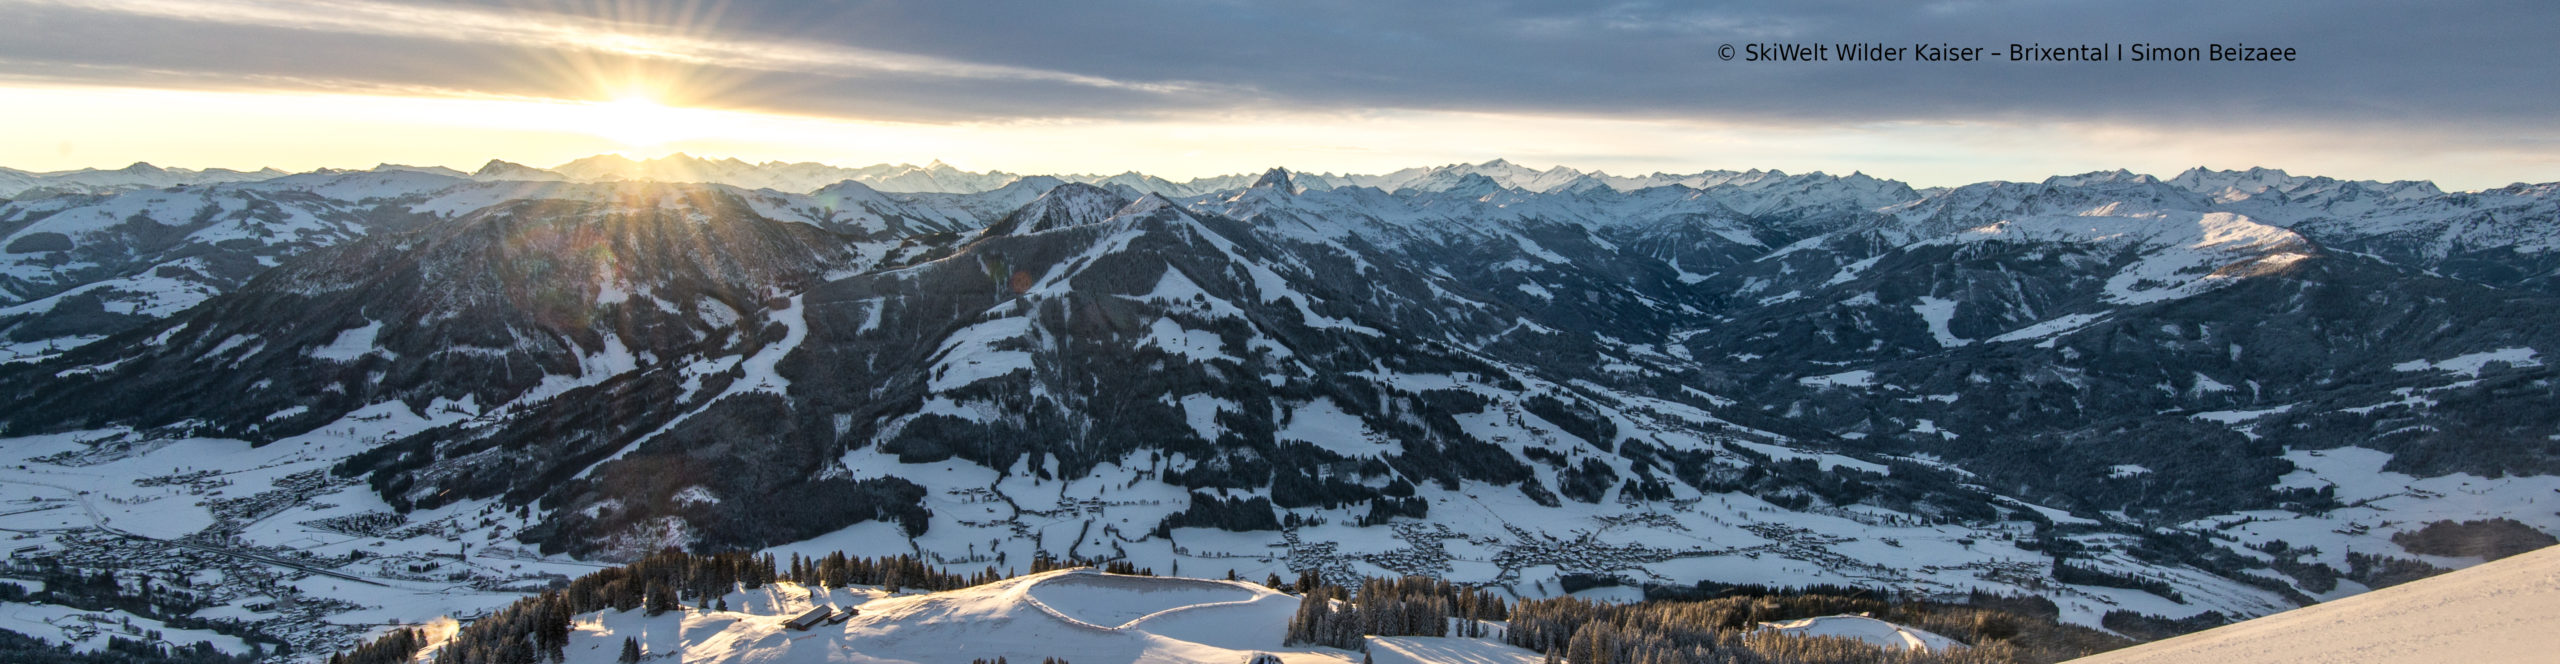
[{"x": 637, "y": 121}]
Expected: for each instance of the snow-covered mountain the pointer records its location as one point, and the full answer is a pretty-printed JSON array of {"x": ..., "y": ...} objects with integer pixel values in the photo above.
[
  {"x": 82, "y": 267},
  {"x": 499, "y": 169},
  {"x": 23, "y": 184},
  {"x": 781, "y": 176},
  {"x": 2144, "y": 399},
  {"x": 1762, "y": 189},
  {"x": 78, "y": 268}
]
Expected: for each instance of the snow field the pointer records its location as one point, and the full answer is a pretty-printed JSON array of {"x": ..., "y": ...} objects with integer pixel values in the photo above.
[
  {"x": 1882, "y": 634},
  {"x": 1447, "y": 650},
  {"x": 2495, "y": 612},
  {"x": 1120, "y": 601},
  {"x": 1022, "y": 619}
]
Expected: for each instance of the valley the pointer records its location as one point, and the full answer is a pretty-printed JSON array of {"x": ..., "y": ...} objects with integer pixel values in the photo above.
[{"x": 408, "y": 395}]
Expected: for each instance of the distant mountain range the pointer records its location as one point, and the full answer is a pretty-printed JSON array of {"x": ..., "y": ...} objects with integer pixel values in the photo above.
[
  {"x": 941, "y": 178},
  {"x": 2224, "y": 391},
  {"x": 23, "y": 184}
]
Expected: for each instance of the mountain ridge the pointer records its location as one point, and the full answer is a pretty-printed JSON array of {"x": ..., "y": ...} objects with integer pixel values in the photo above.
[
  {"x": 2132, "y": 395},
  {"x": 939, "y": 177}
]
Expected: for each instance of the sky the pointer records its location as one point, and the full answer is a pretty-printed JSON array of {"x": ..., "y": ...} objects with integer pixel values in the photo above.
[{"x": 2462, "y": 93}]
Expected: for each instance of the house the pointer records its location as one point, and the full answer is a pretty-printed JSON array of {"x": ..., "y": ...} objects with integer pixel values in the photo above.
[{"x": 810, "y": 619}]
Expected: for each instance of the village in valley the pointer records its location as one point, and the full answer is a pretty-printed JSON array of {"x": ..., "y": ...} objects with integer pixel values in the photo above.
[{"x": 265, "y": 551}]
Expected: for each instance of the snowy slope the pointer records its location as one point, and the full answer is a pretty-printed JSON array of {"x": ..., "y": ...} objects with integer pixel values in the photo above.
[
  {"x": 2496, "y": 612},
  {"x": 1078, "y": 614},
  {"x": 1446, "y": 650},
  {"x": 1883, "y": 634}
]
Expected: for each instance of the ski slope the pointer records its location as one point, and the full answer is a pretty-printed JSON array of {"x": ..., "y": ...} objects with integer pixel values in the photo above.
[
  {"x": 2501, "y": 611},
  {"x": 1077, "y": 614}
]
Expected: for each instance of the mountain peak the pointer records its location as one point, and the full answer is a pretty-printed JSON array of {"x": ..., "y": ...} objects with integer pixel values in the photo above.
[
  {"x": 602, "y": 161},
  {"x": 2117, "y": 176},
  {"x": 496, "y": 166},
  {"x": 500, "y": 169},
  {"x": 405, "y": 168},
  {"x": 1065, "y": 205},
  {"x": 1276, "y": 179},
  {"x": 1145, "y": 204},
  {"x": 1039, "y": 183},
  {"x": 1475, "y": 181}
]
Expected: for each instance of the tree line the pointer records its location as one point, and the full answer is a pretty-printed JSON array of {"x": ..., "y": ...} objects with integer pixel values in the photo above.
[
  {"x": 1724, "y": 630},
  {"x": 393, "y": 648},
  {"x": 17, "y": 648},
  {"x": 1329, "y": 615}
]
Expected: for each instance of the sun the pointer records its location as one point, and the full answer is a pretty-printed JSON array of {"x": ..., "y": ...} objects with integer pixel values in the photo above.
[{"x": 637, "y": 121}]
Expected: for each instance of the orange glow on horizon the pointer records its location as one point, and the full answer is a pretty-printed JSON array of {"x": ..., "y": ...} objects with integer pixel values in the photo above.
[{"x": 71, "y": 127}]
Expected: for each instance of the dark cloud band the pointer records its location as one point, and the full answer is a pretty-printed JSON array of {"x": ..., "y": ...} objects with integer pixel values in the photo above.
[{"x": 2481, "y": 66}]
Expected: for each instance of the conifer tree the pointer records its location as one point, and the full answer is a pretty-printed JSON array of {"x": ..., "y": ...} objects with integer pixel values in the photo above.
[{"x": 660, "y": 599}]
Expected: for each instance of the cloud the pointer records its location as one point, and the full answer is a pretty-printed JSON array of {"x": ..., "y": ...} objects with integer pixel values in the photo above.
[
  {"x": 372, "y": 46},
  {"x": 2377, "y": 79},
  {"x": 544, "y": 30},
  {"x": 2365, "y": 63}
]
